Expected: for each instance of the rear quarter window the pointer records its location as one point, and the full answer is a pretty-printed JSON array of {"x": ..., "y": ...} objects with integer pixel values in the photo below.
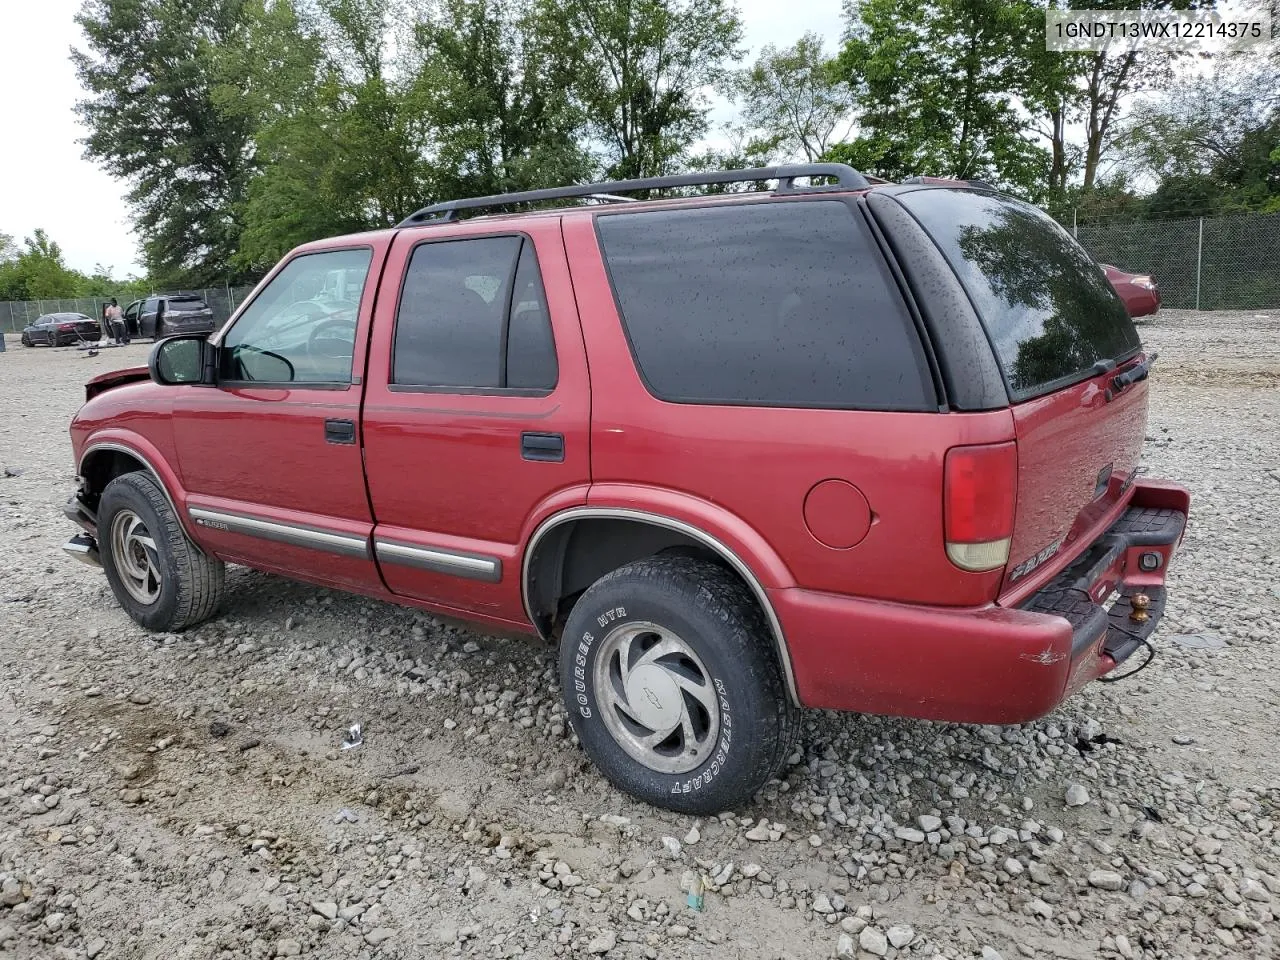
[
  {"x": 785, "y": 304},
  {"x": 1047, "y": 307}
]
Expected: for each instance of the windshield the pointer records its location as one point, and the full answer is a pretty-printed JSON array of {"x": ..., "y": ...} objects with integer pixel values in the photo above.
[{"x": 1046, "y": 305}]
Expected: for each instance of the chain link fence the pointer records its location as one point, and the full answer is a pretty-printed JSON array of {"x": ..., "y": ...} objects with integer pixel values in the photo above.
[
  {"x": 1203, "y": 263},
  {"x": 16, "y": 314}
]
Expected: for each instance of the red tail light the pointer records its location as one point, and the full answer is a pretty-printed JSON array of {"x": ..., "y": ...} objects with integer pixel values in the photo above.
[
  {"x": 979, "y": 495},
  {"x": 66, "y": 326}
]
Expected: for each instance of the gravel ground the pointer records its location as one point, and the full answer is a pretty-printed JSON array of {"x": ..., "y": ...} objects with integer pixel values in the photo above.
[{"x": 186, "y": 795}]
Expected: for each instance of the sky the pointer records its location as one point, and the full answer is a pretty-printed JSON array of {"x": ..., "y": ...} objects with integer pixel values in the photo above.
[{"x": 46, "y": 182}]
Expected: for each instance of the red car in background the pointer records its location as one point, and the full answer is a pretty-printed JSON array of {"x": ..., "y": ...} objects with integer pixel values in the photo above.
[{"x": 1139, "y": 292}]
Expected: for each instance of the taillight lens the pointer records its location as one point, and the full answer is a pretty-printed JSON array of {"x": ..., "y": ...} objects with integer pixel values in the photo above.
[
  {"x": 979, "y": 496},
  {"x": 66, "y": 326}
]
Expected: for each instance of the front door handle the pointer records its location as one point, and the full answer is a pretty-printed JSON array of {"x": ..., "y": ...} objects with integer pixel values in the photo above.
[
  {"x": 339, "y": 431},
  {"x": 542, "y": 446}
]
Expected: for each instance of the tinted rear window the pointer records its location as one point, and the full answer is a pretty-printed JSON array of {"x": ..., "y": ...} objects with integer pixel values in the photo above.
[
  {"x": 773, "y": 304},
  {"x": 1047, "y": 307}
]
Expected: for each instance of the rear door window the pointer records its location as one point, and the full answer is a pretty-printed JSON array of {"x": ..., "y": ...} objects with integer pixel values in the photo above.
[
  {"x": 473, "y": 315},
  {"x": 1047, "y": 307},
  {"x": 784, "y": 304}
]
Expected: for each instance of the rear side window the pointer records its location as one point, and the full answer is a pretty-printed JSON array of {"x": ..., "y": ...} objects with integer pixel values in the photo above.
[
  {"x": 1047, "y": 307},
  {"x": 775, "y": 304},
  {"x": 473, "y": 314}
]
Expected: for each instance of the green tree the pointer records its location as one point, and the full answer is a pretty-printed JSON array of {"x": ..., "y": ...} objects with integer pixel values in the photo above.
[
  {"x": 150, "y": 73},
  {"x": 938, "y": 84},
  {"x": 793, "y": 98},
  {"x": 37, "y": 271},
  {"x": 341, "y": 140},
  {"x": 1212, "y": 142},
  {"x": 495, "y": 85},
  {"x": 640, "y": 72}
]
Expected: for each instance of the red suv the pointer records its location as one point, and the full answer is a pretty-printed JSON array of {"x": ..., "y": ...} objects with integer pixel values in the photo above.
[{"x": 839, "y": 445}]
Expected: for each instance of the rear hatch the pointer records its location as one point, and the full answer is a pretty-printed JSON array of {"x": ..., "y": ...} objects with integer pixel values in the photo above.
[
  {"x": 188, "y": 312},
  {"x": 1061, "y": 336}
]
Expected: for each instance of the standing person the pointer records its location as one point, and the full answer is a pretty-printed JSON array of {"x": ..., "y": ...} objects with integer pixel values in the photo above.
[{"x": 115, "y": 317}]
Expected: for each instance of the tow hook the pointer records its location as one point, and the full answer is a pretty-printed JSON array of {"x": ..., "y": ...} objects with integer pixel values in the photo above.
[
  {"x": 84, "y": 548},
  {"x": 1139, "y": 603}
]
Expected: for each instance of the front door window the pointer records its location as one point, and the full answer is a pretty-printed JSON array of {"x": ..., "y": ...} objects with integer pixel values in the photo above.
[{"x": 301, "y": 328}]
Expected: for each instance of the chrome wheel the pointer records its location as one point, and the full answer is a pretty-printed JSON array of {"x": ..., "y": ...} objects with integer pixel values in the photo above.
[
  {"x": 656, "y": 697},
  {"x": 136, "y": 559}
]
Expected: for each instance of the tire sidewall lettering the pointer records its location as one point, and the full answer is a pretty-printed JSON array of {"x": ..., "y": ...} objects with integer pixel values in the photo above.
[{"x": 584, "y": 699}]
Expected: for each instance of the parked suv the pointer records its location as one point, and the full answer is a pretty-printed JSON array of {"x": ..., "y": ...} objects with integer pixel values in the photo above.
[
  {"x": 168, "y": 316},
  {"x": 838, "y": 445}
]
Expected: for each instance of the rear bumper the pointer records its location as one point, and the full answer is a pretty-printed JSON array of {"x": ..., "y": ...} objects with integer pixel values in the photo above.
[
  {"x": 174, "y": 325},
  {"x": 989, "y": 664}
]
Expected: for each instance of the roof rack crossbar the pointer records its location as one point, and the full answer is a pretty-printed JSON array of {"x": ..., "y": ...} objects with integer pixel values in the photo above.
[{"x": 845, "y": 177}]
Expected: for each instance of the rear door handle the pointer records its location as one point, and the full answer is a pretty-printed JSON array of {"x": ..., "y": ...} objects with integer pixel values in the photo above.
[
  {"x": 339, "y": 431},
  {"x": 542, "y": 446}
]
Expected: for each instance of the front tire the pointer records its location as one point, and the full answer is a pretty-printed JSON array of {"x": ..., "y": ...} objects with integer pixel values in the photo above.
[
  {"x": 672, "y": 686},
  {"x": 161, "y": 579}
]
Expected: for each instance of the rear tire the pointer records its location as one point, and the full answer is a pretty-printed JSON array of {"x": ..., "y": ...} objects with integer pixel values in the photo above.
[
  {"x": 161, "y": 579},
  {"x": 672, "y": 685}
]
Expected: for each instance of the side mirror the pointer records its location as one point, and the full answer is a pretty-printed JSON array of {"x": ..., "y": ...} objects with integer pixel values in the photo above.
[{"x": 182, "y": 359}]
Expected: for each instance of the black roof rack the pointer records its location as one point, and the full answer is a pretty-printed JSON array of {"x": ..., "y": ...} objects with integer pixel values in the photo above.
[{"x": 845, "y": 176}]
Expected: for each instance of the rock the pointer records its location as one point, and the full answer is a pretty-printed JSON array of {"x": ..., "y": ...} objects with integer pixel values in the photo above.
[
  {"x": 603, "y": 943},
  {"x": 378, "y": 935},
  {"x": 1253, "y": 890},
  {"x": 326, "y": 909},
  {"x": 760, "y": 832},
  {"x": 1199, "y": 641},
  {"x": 852, "y": 924},
  {"x": 288, "y": 948},
  {"x": 1039, "y": 873},
  {"x": 900, "y": 936},
  {"x": 1040, "y": 908},
  {"x": 909, "y": 834},
  {"x": 692, "y": 837},
  {"x": 91, "y": 949},
  {"x": 219, "y": 728},
  {"x": 844, "y": 946},
  {"x": 1207, "y": 846},
  {"x": 1106, "y": 880},
  {"x": 929, "y": 823},
  {"x": 991, "y": 953},
  {"x": 1124, "y": 947},
  {"x": 822, "y": 904},
  {"x": 12, "y": 471},
  {"x": 1012, "y": 866},
  {"x": 1077, "y": 795},
  {"x": 1225, "y": 937},
  {"x": 873, "y": 941},
  {"x": 672, "y": 846},
  {"x": 139, "y": 698}
]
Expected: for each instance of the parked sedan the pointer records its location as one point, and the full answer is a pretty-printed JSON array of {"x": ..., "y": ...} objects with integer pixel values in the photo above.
[
  {"x": 60, "y": 329},
  {"x": 1139, "y": 292}
]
